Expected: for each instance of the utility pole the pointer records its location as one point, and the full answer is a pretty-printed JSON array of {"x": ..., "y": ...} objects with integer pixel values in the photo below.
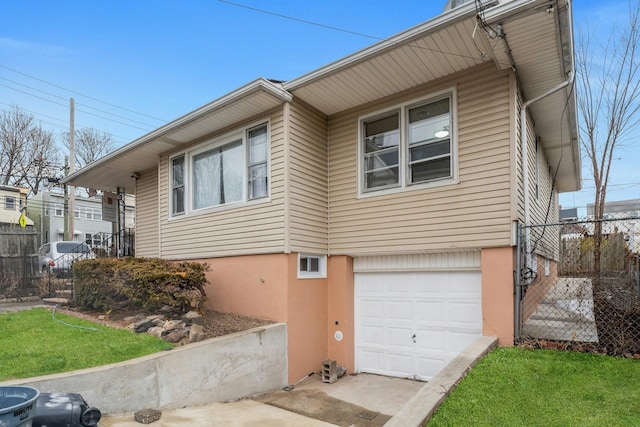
[
  {"x": 65, "y": 209},
  {"x": 72, "y": 167}
]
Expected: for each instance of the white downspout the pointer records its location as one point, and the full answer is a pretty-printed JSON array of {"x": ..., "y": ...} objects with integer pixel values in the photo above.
[
  {"x": 527, "y": 207},
  {"x": 524, "y": 143}
]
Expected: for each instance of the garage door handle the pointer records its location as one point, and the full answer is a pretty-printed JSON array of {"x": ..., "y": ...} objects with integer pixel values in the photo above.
[{"x": 413, "y": 338}]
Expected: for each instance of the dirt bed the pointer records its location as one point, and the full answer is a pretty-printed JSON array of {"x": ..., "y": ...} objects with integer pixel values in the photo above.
[{"x": 215, "y": 323}]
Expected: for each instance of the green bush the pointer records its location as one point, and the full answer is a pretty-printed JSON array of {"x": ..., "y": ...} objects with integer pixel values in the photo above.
[{"x": 138, "y": 283}]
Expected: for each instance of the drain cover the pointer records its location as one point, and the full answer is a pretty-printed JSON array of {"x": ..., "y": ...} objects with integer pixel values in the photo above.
[{"x": 366, "y": 415}]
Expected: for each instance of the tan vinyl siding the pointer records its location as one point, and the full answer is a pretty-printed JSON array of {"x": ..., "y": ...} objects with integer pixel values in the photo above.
[
  {"x": 544, "y": 207},
  {"x": 474, "y": 213},
  {"x": 308, "y": 206},
  {"x": 147, "y": 218},
  {"x": 256, "y": 227}
]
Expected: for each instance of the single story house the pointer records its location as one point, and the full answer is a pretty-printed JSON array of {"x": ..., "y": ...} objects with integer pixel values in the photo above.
[{"x": 371, "y": 203}]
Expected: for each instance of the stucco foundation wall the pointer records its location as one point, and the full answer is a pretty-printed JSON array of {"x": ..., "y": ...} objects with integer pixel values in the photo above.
[
  {"x": 341, "y": 311},
  {"x": 253, "y": 285},
  {"x": 498, "y": 309},
  {"x": 215, "y": 370},
  {"x": 267, "y": 286}
]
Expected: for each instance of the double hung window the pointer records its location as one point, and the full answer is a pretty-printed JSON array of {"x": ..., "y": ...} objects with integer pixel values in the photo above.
[
  {"x": 226, "y": 170},
  {"x": 408, "y": 145}
]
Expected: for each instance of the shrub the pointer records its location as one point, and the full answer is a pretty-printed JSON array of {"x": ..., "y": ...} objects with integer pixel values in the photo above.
[{"x": 138, "y": 283}]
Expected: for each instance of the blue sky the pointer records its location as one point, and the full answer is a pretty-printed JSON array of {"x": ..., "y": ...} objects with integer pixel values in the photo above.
[{"x": 165, "y": 58}]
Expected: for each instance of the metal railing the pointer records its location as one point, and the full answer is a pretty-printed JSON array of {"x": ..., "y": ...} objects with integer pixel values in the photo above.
[{"x": 57, "y": 273}]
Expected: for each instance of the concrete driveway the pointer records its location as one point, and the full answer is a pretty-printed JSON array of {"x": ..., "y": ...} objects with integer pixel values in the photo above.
[
  {"x": 363, "y": 400},
  {"x": 354, "y": 400}
]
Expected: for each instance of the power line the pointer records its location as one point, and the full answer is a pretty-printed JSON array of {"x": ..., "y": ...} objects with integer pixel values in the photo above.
[
  {"x": 85, "y": 105},
  {"x": 81, "y": 94},
  {"x": 65, "y": 126},
  {"x": 78, "y": 109},
  {"x": 342, "y": 30}
]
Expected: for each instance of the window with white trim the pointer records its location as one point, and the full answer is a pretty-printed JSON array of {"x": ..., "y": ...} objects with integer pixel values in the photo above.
[
  {"x": 410, "y": 144},
  {"x": 312, "y": 266},
  {"x": 230, "y": 169},
  {"x": 177, "y": 185},
  {"x": 10, "y": 203}
]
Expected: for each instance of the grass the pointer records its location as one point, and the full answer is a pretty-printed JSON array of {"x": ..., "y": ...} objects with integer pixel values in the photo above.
[
  {"x": 32, "y": 343},
  {"x": 522, "y": 387}
]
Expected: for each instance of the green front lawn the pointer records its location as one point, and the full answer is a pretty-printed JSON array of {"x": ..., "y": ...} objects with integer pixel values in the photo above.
[
  {"x": 32, "y": 343},
  {"x": 522, "y": 387}
]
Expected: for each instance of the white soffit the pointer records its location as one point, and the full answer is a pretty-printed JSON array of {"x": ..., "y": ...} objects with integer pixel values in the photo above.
[
  {"x": 391, "y": 67},
  {"x": 116, "y": 169}
]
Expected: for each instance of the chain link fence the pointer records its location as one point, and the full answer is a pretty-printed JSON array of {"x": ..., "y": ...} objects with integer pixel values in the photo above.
[{"x": 578, "y": 286}]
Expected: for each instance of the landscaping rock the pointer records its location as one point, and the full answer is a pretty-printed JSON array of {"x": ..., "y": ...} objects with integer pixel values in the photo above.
[
  {"x": 147, "y": 416},
  {"x": 172, "y": 325},
  {"x": 157, "y": 331},
  {"x": 148, "y": 322},
  {"x": 176, "y": 336},
  {"x": 196, "y": 333},
  {"x": 193, "y": 318}
]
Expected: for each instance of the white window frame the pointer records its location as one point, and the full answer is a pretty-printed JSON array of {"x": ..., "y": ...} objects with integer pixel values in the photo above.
[
  {"x": 217, "y": 142},
  {"x": 404, "y": 169},
  {"x": 172, "y": 211},
  {"x": 307, "y": 274},
  {"x": 9, "y": 203}
]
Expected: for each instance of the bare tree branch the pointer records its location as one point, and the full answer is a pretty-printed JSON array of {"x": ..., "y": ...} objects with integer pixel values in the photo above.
[
  {"x": 608, "y": 98},
  {"x": 27, "y": 152}
]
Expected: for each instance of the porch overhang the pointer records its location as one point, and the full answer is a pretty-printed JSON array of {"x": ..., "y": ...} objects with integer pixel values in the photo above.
[{"x": 120, "y": 168}]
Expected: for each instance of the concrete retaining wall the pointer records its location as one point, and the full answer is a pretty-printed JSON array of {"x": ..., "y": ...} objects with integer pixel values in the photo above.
[{"x": 216, "y": 370}]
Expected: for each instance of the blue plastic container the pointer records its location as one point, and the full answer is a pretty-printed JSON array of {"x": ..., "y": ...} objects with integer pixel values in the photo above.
[{"x": 17, "y": 405}]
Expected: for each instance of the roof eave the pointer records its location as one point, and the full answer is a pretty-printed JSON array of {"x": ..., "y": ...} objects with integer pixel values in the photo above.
[{"x": 261, "y": 84}]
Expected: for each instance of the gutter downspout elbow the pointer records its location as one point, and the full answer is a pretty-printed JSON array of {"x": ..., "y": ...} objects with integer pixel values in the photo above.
[
  {"x": 524, "y": 141},
  {"x": 527, "y": 208}
]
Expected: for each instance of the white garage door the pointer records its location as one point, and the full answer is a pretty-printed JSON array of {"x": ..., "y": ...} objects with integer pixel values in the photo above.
[{"x": 411, "y": 325}]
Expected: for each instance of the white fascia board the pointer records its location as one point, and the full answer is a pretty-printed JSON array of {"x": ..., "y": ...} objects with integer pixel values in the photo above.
[{"x": 260, "y": 84}]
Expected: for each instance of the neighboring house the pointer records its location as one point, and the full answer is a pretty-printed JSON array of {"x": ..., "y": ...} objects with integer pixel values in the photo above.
[
  {"x": 569, "y": 214},
  {"x": 89, "y": 225},
  {"x": 13, "y": 200},
  {"x": 371, "y": 204}
]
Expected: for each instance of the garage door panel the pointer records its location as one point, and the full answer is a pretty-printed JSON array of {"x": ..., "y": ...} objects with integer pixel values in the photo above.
[
  {"x": 397, "y": 287},
  {"x": 374, "y": 360},
  {"x": 372, "y": 309},
  {"x": 400, "y": 364},
  {"x": 372, "y": 335},
  {"x": 464, "y": 285},
  {"x": 400, "y": 337},
  {"x": 415, "y": 323},
  {"x": 464, "y": 314},
  {"x": 429, "y": 340},
  {"x": 429, "y": 311},
  {"x": 399, "y": 310}
]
